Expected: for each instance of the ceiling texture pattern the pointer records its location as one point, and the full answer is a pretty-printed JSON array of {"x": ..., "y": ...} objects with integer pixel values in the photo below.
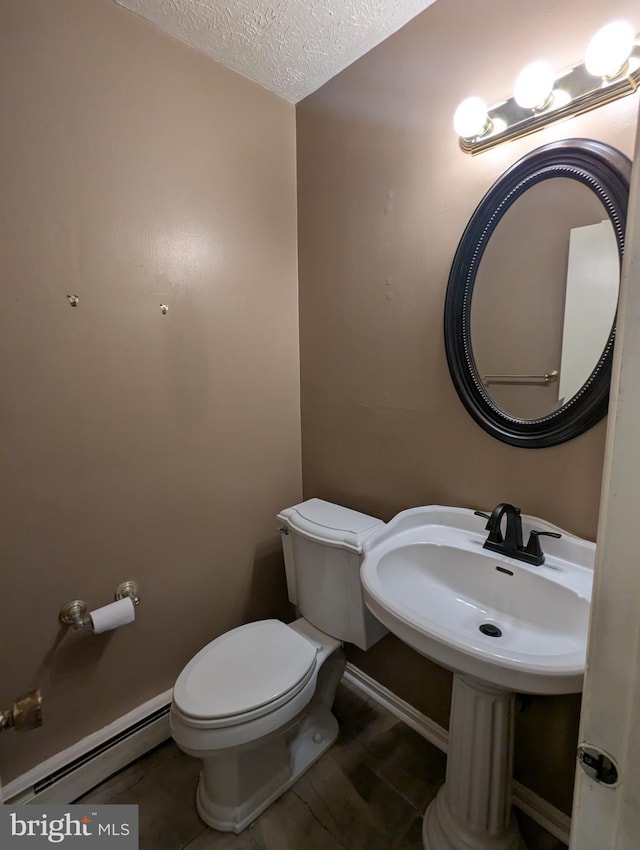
[{"x": 290, "y": 47}]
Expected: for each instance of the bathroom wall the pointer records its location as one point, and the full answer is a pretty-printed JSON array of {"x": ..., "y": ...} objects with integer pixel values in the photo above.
[
  {"x": 384, "y": 194},
  {"x": 137, "y": 445}
]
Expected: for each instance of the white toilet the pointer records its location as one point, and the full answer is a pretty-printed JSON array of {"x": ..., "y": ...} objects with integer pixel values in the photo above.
[{"x": 255, "y": 704}]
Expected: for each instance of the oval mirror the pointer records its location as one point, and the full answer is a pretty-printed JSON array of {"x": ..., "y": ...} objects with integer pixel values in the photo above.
[{"x": 532, "y": 294}]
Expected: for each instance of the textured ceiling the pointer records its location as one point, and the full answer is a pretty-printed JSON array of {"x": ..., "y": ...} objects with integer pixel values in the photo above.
[{"x": 290, "y": 47}]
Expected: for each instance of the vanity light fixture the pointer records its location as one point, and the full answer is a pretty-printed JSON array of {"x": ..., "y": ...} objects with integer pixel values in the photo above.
[{"x": 611, "y": 70}]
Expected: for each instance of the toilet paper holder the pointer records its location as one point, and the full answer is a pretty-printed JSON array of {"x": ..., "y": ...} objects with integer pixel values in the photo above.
[{"x": 76, "y": 613}]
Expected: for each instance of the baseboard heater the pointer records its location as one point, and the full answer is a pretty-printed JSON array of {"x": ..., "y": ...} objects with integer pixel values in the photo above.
[
  {"x": 76, "y": 770},
  {"x": 96, "y": 752}
]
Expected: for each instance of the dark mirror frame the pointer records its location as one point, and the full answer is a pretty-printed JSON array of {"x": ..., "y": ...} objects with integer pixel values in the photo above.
[{"x": 604, "y": 170}]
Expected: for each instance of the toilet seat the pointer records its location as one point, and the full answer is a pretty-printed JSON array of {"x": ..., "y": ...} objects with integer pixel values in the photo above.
[{"x": 244, "y": 674}]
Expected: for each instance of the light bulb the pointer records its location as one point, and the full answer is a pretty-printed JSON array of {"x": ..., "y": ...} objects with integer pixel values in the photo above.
[
  {"x": 609, "y": 49},
  {"x": 471, "y": 118},
  {"x": 534, "y": 85}
]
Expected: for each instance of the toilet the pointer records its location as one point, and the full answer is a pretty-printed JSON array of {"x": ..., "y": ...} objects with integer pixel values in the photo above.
[{"x": 254, "y": 705}]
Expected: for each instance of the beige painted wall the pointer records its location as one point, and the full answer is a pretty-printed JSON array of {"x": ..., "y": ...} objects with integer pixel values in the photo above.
[
  {"x": 384, "y": 194},
  {"x": 136, "y": 172}
]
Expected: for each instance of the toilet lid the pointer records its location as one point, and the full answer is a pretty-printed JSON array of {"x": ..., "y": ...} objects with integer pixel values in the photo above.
[{"x": 246, "y": 668}]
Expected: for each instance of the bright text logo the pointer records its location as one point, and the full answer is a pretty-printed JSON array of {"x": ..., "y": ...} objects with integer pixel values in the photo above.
[{"x": 104, "y": 827}]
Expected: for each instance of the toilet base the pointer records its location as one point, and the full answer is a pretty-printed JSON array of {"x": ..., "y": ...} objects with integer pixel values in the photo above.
[
  {"x": 236, "y": 786},
  {"x": 285, "y": 762}
]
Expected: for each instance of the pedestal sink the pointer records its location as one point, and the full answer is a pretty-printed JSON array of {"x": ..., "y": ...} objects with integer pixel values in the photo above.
[{"x": 501, "y": 626}]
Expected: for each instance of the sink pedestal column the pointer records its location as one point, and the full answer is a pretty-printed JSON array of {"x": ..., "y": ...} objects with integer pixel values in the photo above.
[{"x": 472, "y": 810}]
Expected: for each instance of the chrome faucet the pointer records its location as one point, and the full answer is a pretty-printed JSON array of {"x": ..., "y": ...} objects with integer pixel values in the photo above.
[{"x": 511, "y": 543}]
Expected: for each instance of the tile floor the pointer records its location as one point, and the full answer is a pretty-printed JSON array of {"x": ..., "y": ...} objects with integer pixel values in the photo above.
[{"x": 368, "y": 792}]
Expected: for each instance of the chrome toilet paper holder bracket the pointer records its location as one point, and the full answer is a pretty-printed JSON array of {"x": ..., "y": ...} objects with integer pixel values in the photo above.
[{"x": 76, "y": 613}]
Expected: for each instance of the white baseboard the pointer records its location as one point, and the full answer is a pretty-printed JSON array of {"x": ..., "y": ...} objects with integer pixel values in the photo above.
[
  {"x": 539, "y": 810},
  {"x": 74, "y": 771},
  {"x": 71, "y": 773}
]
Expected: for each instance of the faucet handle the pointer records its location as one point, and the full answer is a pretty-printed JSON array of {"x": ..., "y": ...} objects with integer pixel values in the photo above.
[
  {"x": 495, "y": 535},
  {"x": 533, "y": 546}
]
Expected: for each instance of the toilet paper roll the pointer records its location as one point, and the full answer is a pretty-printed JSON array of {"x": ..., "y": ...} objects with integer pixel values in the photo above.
[{"x": 111, "y": 616}]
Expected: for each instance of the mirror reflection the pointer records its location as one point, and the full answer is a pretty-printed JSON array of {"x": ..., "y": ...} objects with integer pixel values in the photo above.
[{"x": 544, "y": 298}]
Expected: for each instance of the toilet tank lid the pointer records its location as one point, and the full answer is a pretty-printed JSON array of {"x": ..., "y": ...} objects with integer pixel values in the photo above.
[
  {"x": 330, "y": 524},
  {"x": 244, "y": 669}
]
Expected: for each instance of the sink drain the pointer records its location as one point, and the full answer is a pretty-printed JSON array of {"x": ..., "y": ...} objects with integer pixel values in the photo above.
[{"x": 490, "y": 630}]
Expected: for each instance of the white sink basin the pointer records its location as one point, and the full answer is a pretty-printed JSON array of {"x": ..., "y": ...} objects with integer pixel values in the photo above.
[{"x": 427, "y": 578}]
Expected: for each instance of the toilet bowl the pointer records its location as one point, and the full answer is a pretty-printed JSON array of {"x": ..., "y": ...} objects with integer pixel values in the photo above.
[{"x": 254, "y": 705}]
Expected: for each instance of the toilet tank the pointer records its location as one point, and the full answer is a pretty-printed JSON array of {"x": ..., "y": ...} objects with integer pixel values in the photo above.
[{"x": 322, "y": 545}]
